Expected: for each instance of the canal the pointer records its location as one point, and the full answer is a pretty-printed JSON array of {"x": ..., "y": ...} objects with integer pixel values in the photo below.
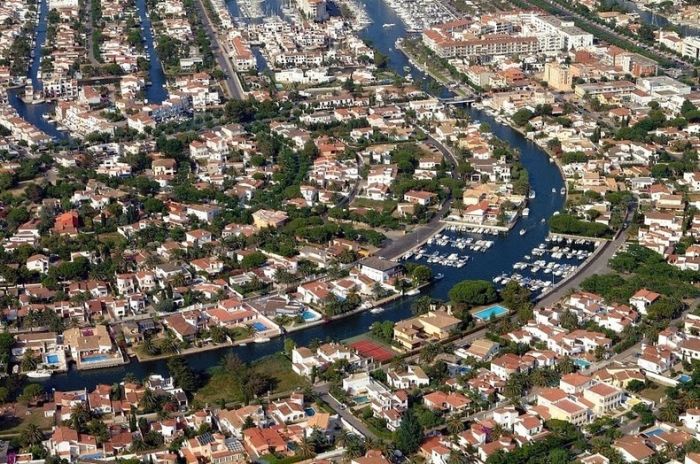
[
  {"x": 654, "y": 19},
  {"x": 35, "y": 113},
  {"x": 155, "y": 88},
  {"x": 507, "y": 250}
]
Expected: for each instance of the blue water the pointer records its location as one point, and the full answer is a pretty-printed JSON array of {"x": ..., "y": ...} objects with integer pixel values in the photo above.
[
  {"x": 155, "y": 92},
  {"x": 683, "y": 378},
  {"x": 582, "y": 363},
  {"x": 94, "y": 358},
  {"x": 33, "y": 113},
  {"x": 259, "y": 326},
  {"x": 492, "y": 311},
  {"x": 52, "y": 358},
  {"x": 655, "y": 432},
  {"x": 310, "y": 316},
  {"x": 507, "y": 249},
  {"x": 310, "y": 412}
]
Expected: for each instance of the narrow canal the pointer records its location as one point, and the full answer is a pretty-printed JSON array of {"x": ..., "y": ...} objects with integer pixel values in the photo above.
[
  {"x": 35, "y": 113},
  {"x": 507, "y": 249},
  {"x": 155, "y": 88}
]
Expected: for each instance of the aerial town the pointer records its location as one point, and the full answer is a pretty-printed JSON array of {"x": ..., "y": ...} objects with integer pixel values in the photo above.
[{"x": 349, "y": 231}]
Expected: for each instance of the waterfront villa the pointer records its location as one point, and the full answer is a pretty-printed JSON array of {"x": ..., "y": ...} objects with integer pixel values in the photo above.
[
  {"x": 92, "y": 347},
  {"x": 418, "y": 331}
]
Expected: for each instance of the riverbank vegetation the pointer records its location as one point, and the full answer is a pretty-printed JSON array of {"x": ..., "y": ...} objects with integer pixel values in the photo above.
[{"x": 571, "y": 225}]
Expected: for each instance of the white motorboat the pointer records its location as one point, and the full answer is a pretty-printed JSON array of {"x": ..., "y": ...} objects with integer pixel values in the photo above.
[
  {"x": 39, "y": 374},
  {"x": 377, "y": 310},
  {"x": 532, "y": 194},
  {"x": 262, "y": 340},
  {"x": 413, "y": 292},
  {"x": 388, "y": 25},
  {"x": 438, "y": 276},
  {"x": 562, "y": 191},
  {"x": 526, "y": 212},
  {"x": 522, "y": 232}
]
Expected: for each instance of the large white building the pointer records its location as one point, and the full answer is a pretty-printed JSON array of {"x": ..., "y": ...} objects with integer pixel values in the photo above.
[
  {"x": 691, "y": 47},
  {"x": 560, "y": 34},
  {"x": 314, "y": 9}
]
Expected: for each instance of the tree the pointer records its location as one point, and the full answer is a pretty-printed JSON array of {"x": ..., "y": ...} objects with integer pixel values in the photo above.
[
  {"x": 31, "y": 435},
  {"x": 421, "y": 274},
  {"x": 409, "y": 435},
  {"x": 473, "y": 292},
  {"x": 635, "y": 386},
  {"x": 522, "y": 117},
  {"x": 668, "y": 412},
  {"x": 31, "y": 392},
  {"x": 289, "y": 346}
]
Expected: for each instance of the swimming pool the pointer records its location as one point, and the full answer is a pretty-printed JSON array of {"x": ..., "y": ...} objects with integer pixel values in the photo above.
[
  {"x": 683, "y": 378},
  {"x": 360, "y": 399},
  {"x": 492, "y": 311},
  {"x": 653, "y": 432},
  {"x": 95, "y": 358},
  {"x": 310, "y": 316},
  {"x": 310, "y": 412},
  {"x": 582, "y": 363},
  {"x": 259, "y": 326},
  {"x": 52, "y": 359}
]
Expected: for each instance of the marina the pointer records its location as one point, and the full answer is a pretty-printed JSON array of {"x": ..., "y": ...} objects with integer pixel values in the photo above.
[
  {"x": 500, "y": 257},
  {"x": 419, "y": 14}
]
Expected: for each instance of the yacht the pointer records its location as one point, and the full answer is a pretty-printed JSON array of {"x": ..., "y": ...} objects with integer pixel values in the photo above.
[
  {"x": 562, "y": 191},
  {"x": 522, "y": 232},
  {"x": 554, "y": 190},
  {"x": 262, "y": 340},
  {"x": 377, "y": 310},
  {"x": 39, "y": 374},
  {"x": 439, "y": 276},
  {"x": 389, "y": 25},
  {"x": 413, "y": 292},
  {"x": 526, "y": 212},
  {"x": 532, "y": 194}
]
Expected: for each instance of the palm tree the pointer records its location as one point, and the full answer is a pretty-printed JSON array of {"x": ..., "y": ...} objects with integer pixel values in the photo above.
[
  {"x": 455, "y": 426},
  {"x": 80, "y": 415},
  {"x": 669, "y": 411},
  {"x": 306, "y": 449},
  {"x": 32, "y": 435}
]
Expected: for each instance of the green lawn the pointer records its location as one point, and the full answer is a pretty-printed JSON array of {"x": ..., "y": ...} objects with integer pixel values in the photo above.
[
  {"x": 654, "y": 393},
  {"x": 386, "y": 205},
  {"x": 12, "y": 425},
  {"x": 227, "y": 385}
]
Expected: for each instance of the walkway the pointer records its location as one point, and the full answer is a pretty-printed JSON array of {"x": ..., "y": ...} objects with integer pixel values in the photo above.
[{"x": 221, "y": 53}]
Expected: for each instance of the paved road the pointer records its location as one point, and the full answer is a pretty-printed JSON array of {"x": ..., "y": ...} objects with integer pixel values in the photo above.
[
  {"x": 322, "y": 391},
  {"x": 221, "y": 53}
]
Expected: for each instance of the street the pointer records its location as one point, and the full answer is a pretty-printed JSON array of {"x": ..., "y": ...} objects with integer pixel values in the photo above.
[
  {"x": 322, "y": 391},
  {"x": 232, "y": 83}
]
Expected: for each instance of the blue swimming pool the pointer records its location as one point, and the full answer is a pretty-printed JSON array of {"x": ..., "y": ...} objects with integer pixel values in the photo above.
[
  {"x": 492, "y": 311},
  {"x": 259, "y": 326},
  {"x": 310, "y": 316},
  {"x": 95, "y": 358},
  {"x": 361, "y": 399},
  {"x": 52, "y": 359},
  {"x": 653, "y": 432},
  {"x": 310, "y": 412},
  {"x": 582, "y": 363},
  {"x": 683, "y": 378}
]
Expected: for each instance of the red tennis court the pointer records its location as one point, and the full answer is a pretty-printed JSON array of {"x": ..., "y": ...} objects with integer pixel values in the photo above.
[{"x": 369, "y": 349}]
